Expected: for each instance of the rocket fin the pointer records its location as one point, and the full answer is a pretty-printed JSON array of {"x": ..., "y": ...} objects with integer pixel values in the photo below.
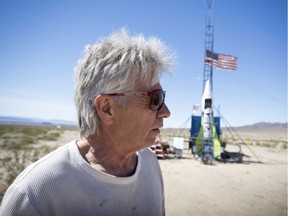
[
  {"x": 216, "y": 142},
  {"x": 199, "y": 141}
]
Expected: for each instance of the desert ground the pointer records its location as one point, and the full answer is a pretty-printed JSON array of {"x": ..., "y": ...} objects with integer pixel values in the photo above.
[
  {"x": 256, "y": 186},
  {"x": 247, "y": 188}
]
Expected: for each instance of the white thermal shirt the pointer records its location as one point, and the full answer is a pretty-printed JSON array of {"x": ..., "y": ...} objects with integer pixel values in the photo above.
[{"x": 63, "y": 183}]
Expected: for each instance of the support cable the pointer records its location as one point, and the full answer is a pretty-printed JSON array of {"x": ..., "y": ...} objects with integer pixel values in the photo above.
[
  {"x": 182, "y": 127},
  {"x": 239, "y": 137}
]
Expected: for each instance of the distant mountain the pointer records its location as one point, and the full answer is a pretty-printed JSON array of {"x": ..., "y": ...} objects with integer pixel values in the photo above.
[
  {"x": 34, "y": 121},
  {"x": 264, "y": 126}
]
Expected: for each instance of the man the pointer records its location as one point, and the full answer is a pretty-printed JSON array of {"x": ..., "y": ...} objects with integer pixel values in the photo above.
[{"x": 110, "y": 170}]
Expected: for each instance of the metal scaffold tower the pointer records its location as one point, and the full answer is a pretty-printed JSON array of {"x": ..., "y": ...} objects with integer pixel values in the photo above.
[
  {"x": 209, "y": 41},
  {"x": 205, "y": 140}
]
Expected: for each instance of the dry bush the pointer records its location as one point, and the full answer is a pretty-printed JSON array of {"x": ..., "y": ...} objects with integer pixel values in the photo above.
[{"x": 16, "y": 151}]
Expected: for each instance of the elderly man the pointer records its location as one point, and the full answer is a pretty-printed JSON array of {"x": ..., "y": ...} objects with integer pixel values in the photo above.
[{"x": 110, "y": 170}]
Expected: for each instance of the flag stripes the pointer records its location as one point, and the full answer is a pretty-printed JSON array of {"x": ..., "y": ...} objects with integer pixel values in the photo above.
[{"x": 221, "y": 61}]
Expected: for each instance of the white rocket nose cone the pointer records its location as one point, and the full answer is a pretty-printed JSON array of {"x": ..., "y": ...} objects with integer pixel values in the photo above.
[{"x": 207, "y": 90}]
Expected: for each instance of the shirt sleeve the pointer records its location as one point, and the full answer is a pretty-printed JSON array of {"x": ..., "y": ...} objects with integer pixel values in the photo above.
[{"x": 16, "y": 202}]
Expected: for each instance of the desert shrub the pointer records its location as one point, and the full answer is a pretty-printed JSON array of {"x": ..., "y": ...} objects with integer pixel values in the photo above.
[
  {"x": 7, "y": 136},
  {"x": 11, "y": 144},
  {"x": 258, "y": 143},
  {"x": 18, "y": 154},
  {"x": 267, "y": 145},
  {"x": 15, "y": 137},
  {"x": 26, "y": 139},
  {"x": 6, "y": 129},
  {"x": 17, "y": 160},
  {"x": 46, "y": 149},
  {"x": 169, "y": 132},
  {"x": 13, "y": 165},
  {"x": 16, "y": 143},
  {"x": 51, "y": 135},
  {"x": 33, "y": 131}
]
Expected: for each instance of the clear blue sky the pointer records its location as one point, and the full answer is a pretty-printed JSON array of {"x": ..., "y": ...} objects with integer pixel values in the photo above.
[{"x": 41, "y": 41}]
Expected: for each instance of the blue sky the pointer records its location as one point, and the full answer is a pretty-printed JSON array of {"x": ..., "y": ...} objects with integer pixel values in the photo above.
[{"x": 41, "y": 42}]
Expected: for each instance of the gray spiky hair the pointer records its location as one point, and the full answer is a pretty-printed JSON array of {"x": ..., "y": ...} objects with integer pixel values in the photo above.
[{"x": 116, "y": 64}]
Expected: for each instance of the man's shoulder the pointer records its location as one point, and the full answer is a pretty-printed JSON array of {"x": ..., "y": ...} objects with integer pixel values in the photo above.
[
  {"x": 51, "y": 162},
  {"x": 147, "y": 152},
  {"x": 147, "y": 156}
]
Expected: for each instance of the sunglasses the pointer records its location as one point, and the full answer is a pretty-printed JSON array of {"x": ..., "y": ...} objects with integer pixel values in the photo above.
[{"x": 157, "y": 97}]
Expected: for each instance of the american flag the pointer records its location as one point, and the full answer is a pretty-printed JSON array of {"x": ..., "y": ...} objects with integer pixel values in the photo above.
[{"x": 221, "y": 61}]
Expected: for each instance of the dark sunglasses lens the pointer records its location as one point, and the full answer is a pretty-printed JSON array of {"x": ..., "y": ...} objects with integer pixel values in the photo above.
[{"x": 157, "y": 100}]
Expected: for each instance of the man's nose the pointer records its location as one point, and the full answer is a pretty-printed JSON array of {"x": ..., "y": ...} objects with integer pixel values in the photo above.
[{"x": 164, "y": 112}]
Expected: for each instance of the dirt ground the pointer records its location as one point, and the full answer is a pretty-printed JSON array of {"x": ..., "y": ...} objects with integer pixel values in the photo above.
[{"x": 257, "y": 186}]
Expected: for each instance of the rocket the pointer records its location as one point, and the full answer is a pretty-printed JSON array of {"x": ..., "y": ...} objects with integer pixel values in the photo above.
[
  {"x": 208, "y": 146},
  {"x": 207, "y": 111},
  {"x": 207, "y": 124}
]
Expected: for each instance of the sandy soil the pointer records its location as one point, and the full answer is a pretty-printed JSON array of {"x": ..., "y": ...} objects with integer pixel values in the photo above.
[
  {"x": 248, "y": 188},
  {"x": 258, "y": 186}
]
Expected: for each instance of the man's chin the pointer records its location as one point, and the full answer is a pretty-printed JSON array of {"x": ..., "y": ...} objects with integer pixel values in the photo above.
[{"x": 152, "y": 137}]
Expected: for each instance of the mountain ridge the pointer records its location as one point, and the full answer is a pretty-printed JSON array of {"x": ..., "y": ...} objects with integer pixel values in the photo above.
[
  {"x": 263, "y": 126},
  {"x": 35, "y": 121},
  {"x": 39, "y": 121}
]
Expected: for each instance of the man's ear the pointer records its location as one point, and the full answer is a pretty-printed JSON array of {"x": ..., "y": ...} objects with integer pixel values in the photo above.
[{"x": 103, "y": 106}]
